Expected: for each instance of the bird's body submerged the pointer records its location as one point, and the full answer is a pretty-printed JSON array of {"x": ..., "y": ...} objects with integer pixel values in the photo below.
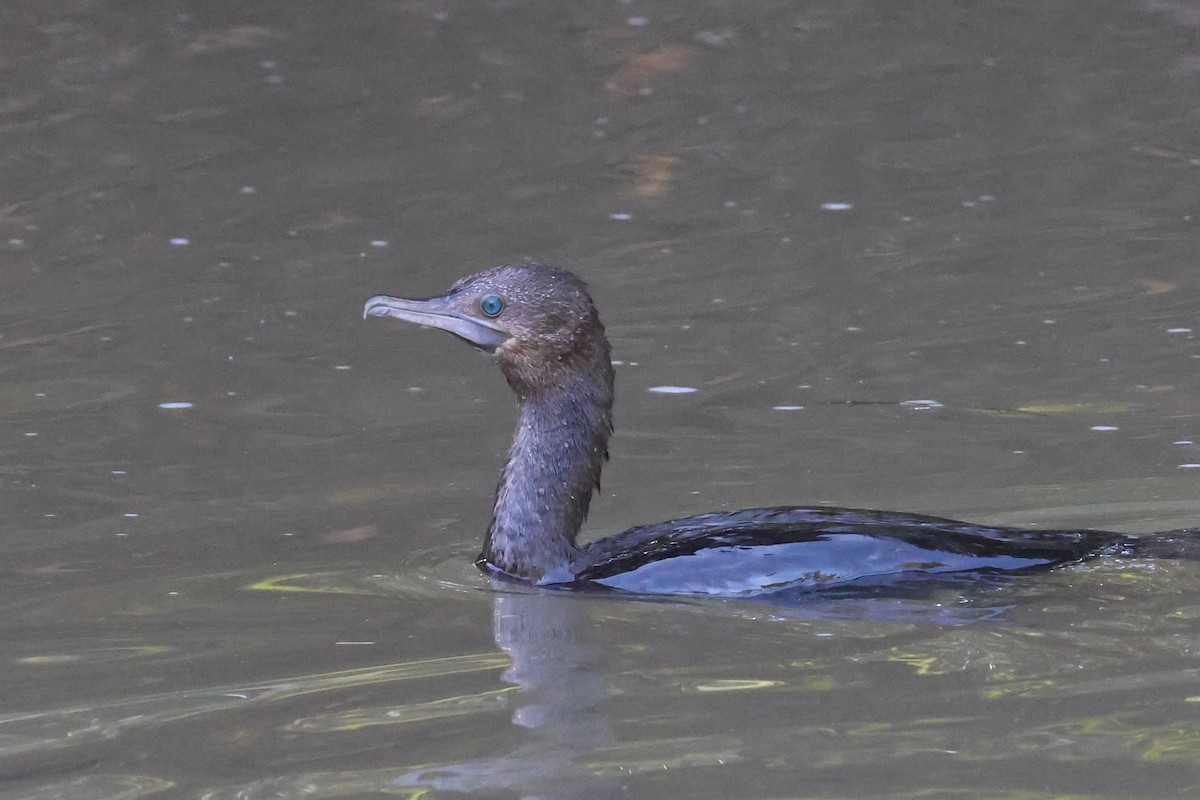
[{"x": 542, "y": 327}]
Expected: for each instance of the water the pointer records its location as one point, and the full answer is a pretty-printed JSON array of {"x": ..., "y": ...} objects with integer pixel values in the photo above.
[{"x": 956, "y": 241}]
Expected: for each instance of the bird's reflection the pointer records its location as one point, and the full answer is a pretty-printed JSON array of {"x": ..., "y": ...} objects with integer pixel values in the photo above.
[
  {"x": 556, "y": 704},
  {"x": 570, "y": 744}
]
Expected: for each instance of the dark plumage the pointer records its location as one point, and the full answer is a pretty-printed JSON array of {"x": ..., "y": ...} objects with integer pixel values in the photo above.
[{"x": 541, "y": 326}]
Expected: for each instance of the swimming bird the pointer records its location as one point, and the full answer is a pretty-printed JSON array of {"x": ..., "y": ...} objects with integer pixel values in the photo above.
[{"x": 541, "y": 326}]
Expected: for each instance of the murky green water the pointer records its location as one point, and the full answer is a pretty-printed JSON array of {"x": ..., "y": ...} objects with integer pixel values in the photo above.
[{"x": 239, "y": 521}]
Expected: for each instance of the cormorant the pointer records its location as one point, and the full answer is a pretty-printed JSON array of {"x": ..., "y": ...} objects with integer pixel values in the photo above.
[{"x": 541, "y": 325}]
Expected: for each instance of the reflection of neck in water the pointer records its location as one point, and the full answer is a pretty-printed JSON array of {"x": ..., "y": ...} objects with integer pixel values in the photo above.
[
  {"x": 557, "y": 693},
  {"x": 567, "y": 748},
  {"x": 555, "y": 702}
]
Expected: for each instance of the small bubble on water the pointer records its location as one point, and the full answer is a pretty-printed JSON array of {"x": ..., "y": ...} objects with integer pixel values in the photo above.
[
  {"x": 379, "y": 243},
  {"x": 180, "y": 241},
  {"x": 837, "y": 206},
  {"x": 621, "y": 216}
]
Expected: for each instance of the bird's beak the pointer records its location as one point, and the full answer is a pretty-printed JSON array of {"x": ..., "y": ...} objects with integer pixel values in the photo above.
[{"x": 439, "y": 312}]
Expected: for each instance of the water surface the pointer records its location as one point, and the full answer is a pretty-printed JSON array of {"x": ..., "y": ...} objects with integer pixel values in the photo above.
[{"x": 240, "y": 520}]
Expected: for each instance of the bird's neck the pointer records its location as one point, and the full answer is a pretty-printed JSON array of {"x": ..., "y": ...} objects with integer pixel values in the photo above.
[{"x": 546, "y": 487}]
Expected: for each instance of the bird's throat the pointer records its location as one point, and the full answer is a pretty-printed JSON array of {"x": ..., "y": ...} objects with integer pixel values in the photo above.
[{"x": 546, "y": 488}]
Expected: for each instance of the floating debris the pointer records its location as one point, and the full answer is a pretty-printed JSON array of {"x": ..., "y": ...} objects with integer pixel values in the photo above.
[
  {"x": 672, "y": 389},
  {"x": 175, "y": 405}
]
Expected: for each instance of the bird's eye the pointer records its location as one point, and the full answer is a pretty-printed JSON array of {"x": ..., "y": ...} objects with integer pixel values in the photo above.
[{"x": 491, "y": 305}]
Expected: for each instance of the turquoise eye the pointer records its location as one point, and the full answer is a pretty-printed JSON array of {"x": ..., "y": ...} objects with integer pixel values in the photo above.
[{"x": 491, "y": 305}]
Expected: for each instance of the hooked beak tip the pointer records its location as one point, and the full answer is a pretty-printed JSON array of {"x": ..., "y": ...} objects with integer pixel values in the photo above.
[{"x": 375, "y": 307}]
